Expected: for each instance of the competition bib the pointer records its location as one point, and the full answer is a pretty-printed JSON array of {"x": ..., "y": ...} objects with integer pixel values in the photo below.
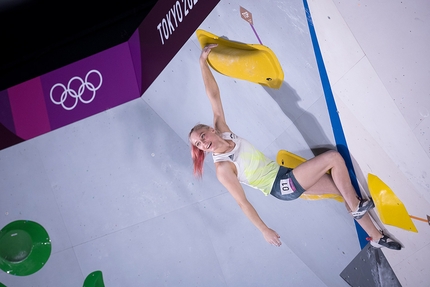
[{"x": 287, "y": 186}]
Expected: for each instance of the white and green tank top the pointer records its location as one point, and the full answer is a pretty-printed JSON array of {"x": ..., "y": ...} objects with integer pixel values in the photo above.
[{"x": 253, "y": 167}]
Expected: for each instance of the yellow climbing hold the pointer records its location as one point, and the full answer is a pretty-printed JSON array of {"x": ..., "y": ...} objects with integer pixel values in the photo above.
[
  {"x": 251, "y": 62},
  {"x": 391, "y": 210}
]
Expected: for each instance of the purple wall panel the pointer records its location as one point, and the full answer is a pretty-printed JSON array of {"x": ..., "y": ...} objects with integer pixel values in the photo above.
[
  {"x": 7, "y": 126},
  {"x": 90, "y": 86},
  {"x": 6, "y": 118},
  {"x": 101, "y": 81},
  {"x": 29, "y": 109},
  {"x": 165, "y": 30},
  {"x": 134, "y": 46}
]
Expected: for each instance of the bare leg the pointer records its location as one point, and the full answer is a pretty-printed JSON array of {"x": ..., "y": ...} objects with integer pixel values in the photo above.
[
  {"x": 310, "y": 172},
  {"x": 312, "y": 176}
]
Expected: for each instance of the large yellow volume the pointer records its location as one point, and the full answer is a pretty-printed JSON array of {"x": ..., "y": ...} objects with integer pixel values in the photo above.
[
  {"x": 251, "y": 62},
  {"x": 391, "y": 210}
]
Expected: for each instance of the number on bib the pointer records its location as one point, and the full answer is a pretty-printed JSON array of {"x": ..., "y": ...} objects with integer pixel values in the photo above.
[{"x": 287, "y": 187}]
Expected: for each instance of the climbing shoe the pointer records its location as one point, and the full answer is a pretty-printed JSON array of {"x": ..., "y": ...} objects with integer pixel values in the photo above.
[
  {"x": 362, "y": 208},
  {"x": 387, "y": 242}
]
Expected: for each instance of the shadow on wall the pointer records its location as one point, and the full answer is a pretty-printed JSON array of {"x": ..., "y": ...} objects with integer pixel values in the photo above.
[{"x": 305, "y": 122}]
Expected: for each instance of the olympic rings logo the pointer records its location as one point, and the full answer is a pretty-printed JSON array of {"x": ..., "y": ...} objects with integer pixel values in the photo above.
[{"x": 76, "y": 95}]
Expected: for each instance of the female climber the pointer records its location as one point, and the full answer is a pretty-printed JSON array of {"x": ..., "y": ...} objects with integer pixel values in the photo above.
[{"x": 237, "y": 161}]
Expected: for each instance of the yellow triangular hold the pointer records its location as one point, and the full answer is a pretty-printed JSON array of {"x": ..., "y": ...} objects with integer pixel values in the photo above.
[
  {"x": 291, "y": 160},
  {"x": 251, "y": 62},
  {"x": 391, "y": 210}
]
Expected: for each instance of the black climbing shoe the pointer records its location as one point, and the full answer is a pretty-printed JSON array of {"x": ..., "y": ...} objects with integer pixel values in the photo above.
[
  {"x": 387, "y": 242},
  {"x": 362, "y": 208}
]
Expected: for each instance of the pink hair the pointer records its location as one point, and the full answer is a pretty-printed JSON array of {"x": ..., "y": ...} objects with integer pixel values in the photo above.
[
  {"x": 198, "y": 157},
  {"x": 197, "y": 154}
]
